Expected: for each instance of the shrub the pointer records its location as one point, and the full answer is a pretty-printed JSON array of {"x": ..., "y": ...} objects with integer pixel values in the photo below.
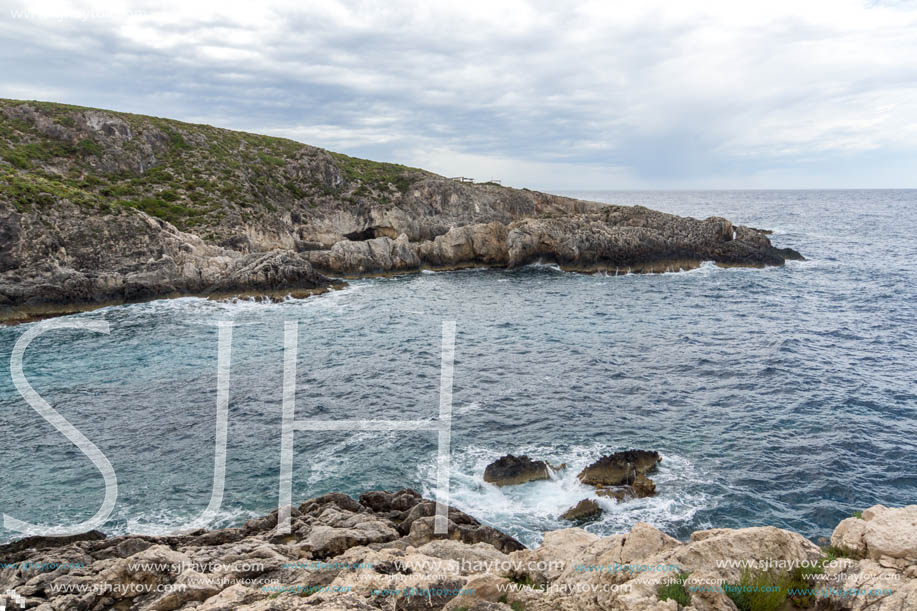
[
  {"x": 675, "y": 591},
  {"x": 89, "y": 147},
  {"x": 833, "y": 552},
  {"x": 167, "y": 211}
]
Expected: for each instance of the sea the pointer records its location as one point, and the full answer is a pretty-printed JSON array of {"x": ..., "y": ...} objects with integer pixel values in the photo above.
[{"x": 779, "y": 396}]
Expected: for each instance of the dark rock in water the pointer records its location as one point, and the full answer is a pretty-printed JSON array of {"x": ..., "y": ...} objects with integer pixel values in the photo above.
[
  {"x": 642, "y": 486},
  {"x": 620, "y": 468},
  {"x": 584, "y": 510},
  {"x": 511, "y": 470}
]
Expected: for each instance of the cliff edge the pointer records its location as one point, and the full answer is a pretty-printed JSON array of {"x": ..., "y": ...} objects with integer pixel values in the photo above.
[
  {"x": 99, "y": 206},
  {"x": 381, "y": 553}
]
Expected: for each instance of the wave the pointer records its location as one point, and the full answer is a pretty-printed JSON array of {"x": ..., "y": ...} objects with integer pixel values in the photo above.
[{"x": 529, "y": 510}]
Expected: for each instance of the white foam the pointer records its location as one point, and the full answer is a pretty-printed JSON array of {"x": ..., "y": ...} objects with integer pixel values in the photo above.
[{"x": 529, "y": 510}]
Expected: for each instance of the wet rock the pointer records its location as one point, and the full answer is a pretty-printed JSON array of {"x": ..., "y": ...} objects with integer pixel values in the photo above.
[
  {"x": 510, "y": 470},
  {"x": 641, "y": 487},
  {"x": 620, "y": 468},
  {"x": 587, "y": 509}
]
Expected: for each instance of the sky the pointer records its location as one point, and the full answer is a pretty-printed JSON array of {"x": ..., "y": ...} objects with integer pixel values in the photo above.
[{"x": 541, "y": 94}]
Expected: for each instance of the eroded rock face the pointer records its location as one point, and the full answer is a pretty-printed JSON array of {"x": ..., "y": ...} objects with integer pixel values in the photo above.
[
  {"x": 510, "y": 470},
  {"x": 349, "y": 554},
  {"x": 616, "y": 239},
  {"x": 620, "y": 468},
  {"x": 99, "y": 259},
  {"x": 64, "y": 245}
]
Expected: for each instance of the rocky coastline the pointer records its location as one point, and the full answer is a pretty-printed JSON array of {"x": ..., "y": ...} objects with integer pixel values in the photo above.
[
  {"x": 380, "y": 552},
  {"x": 100, "y": 207}
]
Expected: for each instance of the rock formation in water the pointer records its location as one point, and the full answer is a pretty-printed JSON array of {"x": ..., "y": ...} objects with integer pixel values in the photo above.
[
  {"x": 620, "y": 468},
  {"x": 380, "y": 553},
  {"x": 585, "y": 510},
  {"x": 101, "y": 206},
  {"x": 512, "y": 470}
]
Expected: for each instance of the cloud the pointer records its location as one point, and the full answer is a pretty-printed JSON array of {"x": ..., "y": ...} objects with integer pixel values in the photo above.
[{"x": 541, "y": 94}]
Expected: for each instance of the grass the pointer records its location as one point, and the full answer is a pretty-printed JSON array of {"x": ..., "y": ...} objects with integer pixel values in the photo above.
[
  {"x": 833, "y": 552},
  {"x": 675, "y": 591},
  {"x": 857, "y": 514},
  {"x": 166, "y": 210},
  {"x": 377, "y": 175},
  {"x": 29, "y": 191},
  {"x": 515, "y": 605},
  {"x": 757, "y": 591},
  {"x": 769, "y": 591}
]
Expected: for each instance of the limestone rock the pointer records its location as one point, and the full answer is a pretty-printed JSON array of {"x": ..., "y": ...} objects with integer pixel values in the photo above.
[
  {"x": 881, "y": 533},
  {"x": 360, "y": 547},
  {"x": 285, "y": 221}
]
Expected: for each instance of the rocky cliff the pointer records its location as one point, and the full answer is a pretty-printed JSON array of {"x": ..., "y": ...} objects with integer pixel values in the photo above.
[
  {"x": 380, "y": 553},
  {"x": 101, "y": 206}
]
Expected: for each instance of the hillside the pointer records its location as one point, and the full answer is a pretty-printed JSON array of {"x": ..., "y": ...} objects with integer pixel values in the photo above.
[
  {"x": 98, "y": 206},
  {"x": 193, "y": 176}
]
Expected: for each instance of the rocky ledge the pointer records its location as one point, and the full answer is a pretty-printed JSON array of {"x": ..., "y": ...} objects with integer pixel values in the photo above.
[
  {"x": 104, "y": 207},
  {"x": 380, "y": 553}
]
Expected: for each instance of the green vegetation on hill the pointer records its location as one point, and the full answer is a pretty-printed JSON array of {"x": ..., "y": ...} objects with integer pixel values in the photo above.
[
  {"x": 377, "y": 175},
  {"x": 188, "y": 174}
]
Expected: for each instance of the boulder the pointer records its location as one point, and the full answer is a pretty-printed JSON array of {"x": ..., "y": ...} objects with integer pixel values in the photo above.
[
  {"x": 620, "y": 468},
  {"x": 510, "y": 470},
  {"x": 882, "y": 532},
  {"x": 587, "y": 509},
  {"x": 422, "y": 532},
  {"x": 362, "y": 548}
]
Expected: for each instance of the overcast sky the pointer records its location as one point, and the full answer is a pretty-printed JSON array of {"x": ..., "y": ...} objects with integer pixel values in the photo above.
[{"x": 547, "y": 95}]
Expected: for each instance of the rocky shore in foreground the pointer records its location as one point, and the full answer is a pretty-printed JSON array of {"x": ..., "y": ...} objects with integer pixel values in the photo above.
[
  {"x": 100, "y": 207},
  {"x": 380, "y": 552}
]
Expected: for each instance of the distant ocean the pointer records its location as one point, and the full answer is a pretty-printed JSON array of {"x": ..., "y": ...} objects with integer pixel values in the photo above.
[{"x": 781, "y": 396}]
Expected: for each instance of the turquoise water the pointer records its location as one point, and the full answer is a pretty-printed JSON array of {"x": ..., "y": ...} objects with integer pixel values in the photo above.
[{"x": 781, "y": 396}]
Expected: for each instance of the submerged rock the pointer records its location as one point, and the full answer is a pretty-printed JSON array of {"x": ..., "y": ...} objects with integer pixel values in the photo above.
[
  {"x": 584, "y": 510},
  {"x": 510, "y": 470},
  {"x": 641, "y": 487}
]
